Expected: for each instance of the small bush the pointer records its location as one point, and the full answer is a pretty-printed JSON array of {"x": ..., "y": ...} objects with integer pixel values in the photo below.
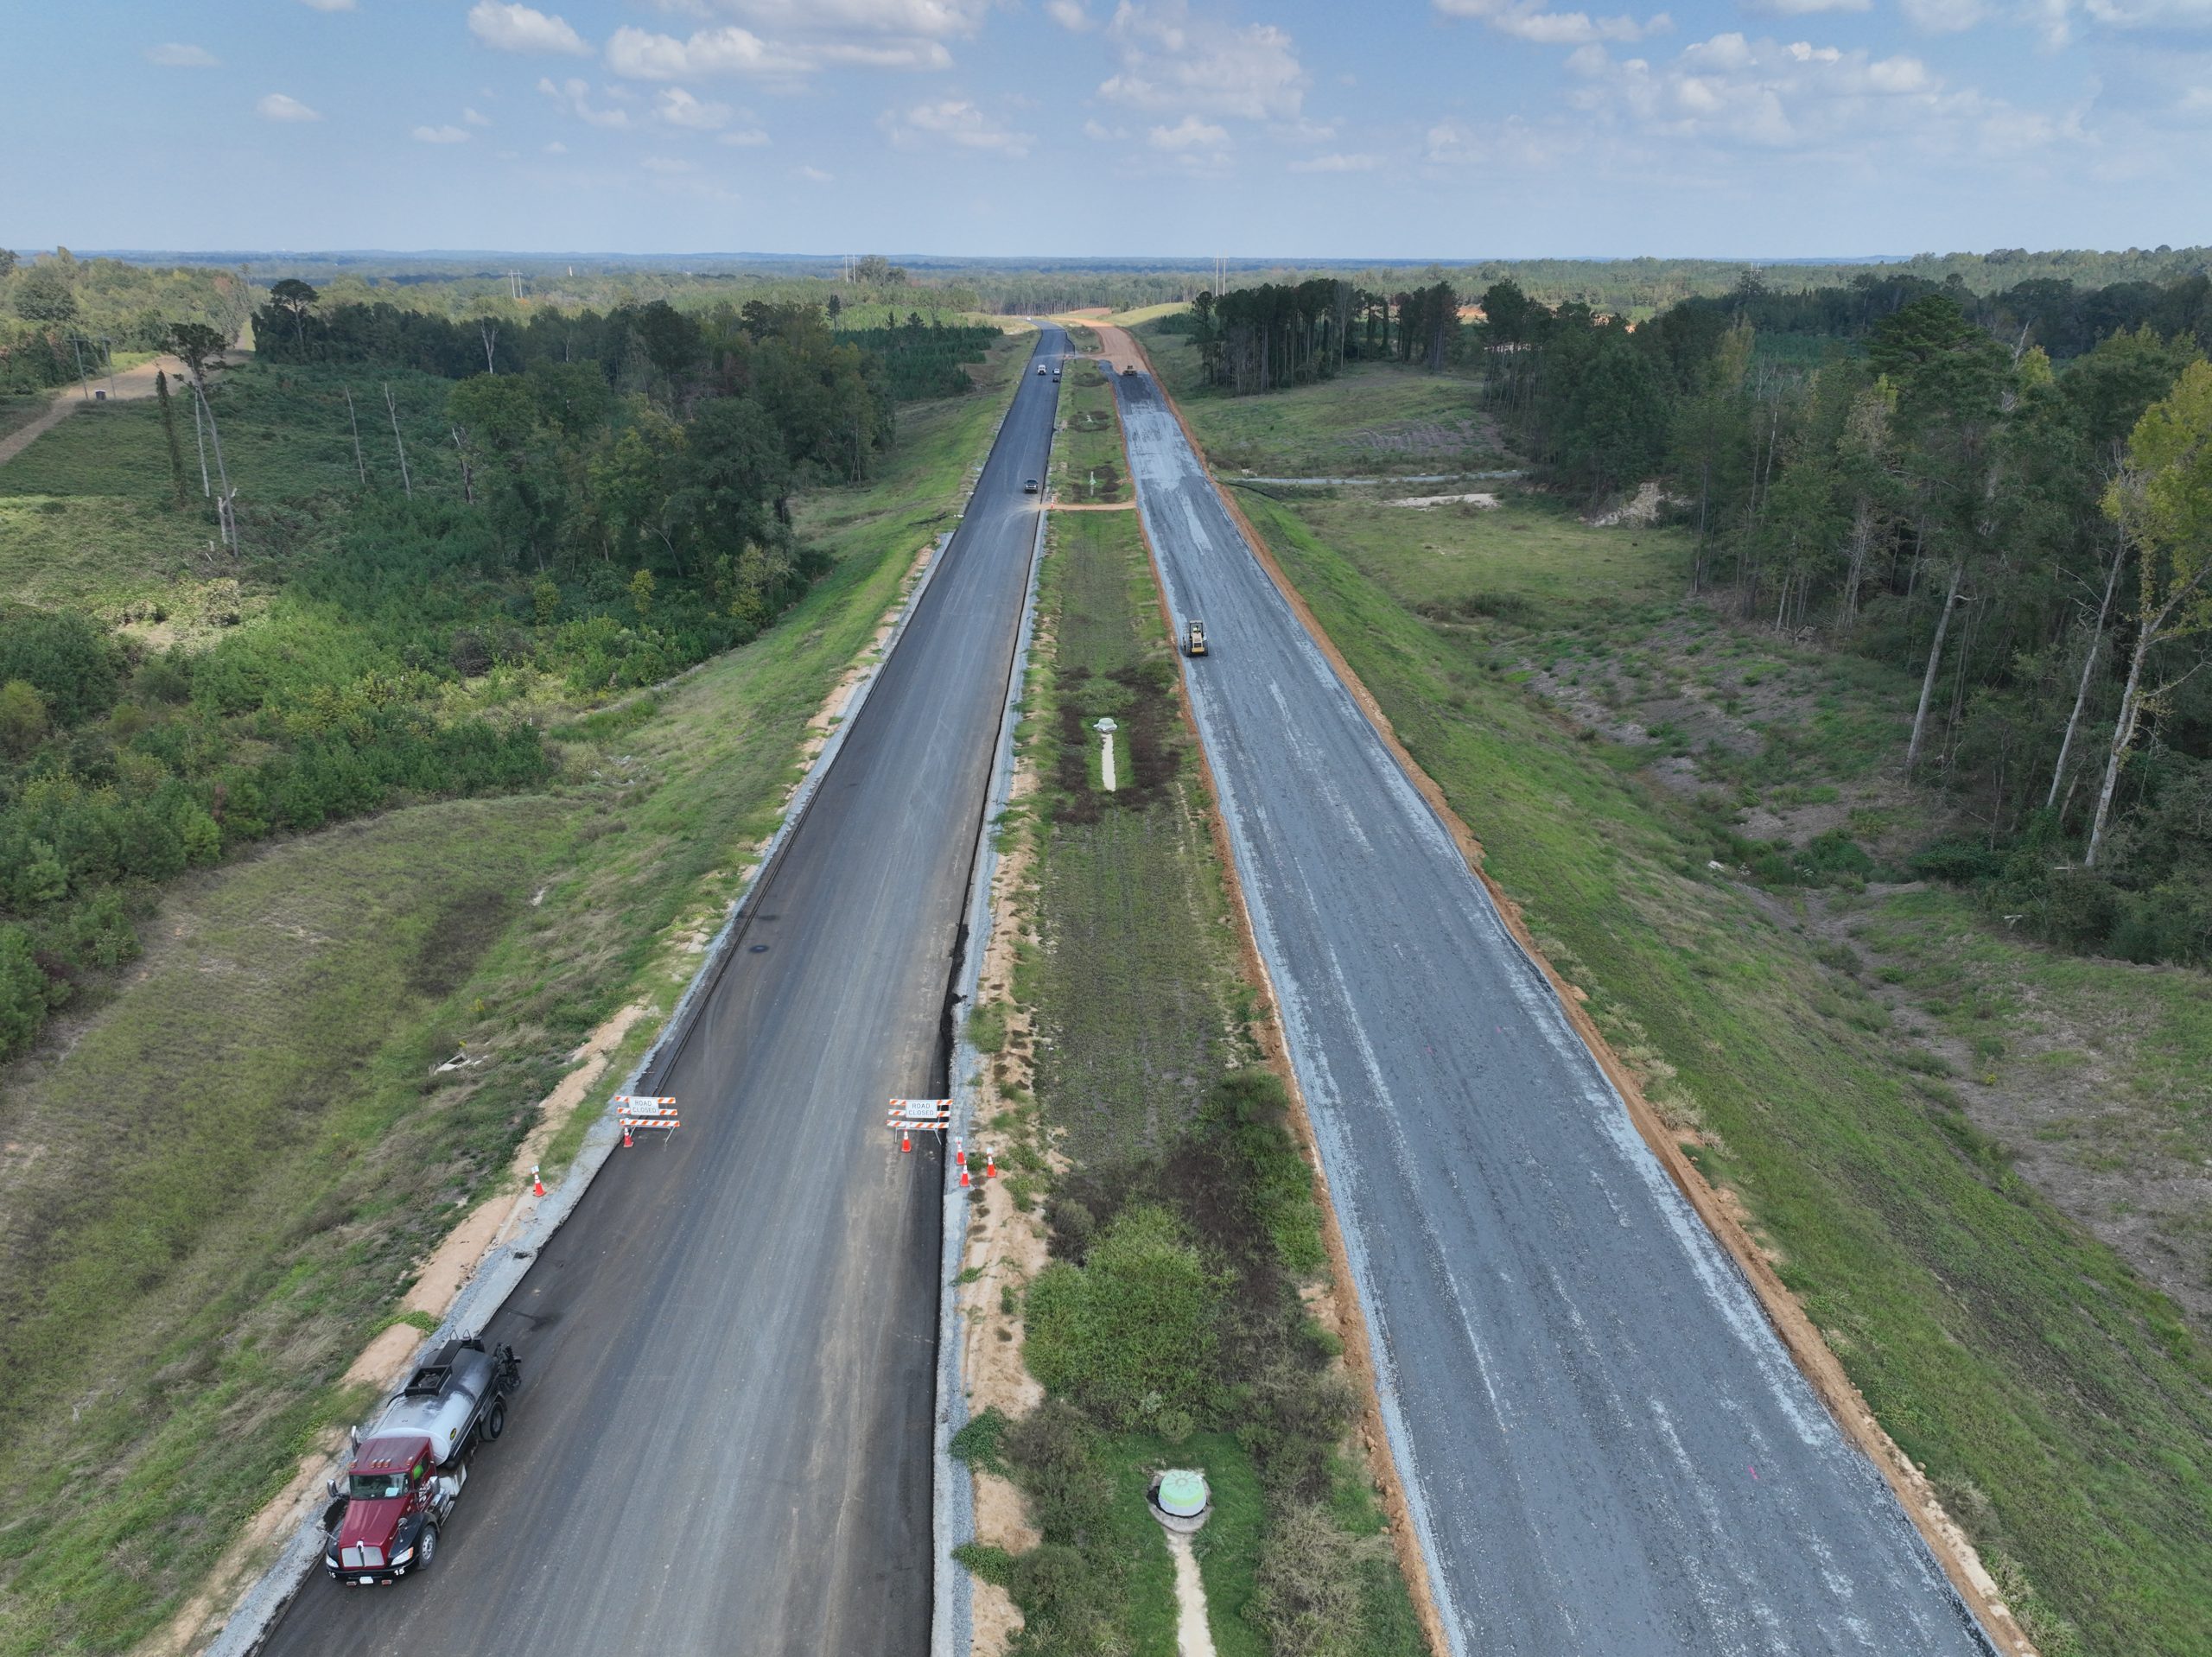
[
  {"x": 987, "y": 1027},
  {"x": 1133, "y": 1330}
]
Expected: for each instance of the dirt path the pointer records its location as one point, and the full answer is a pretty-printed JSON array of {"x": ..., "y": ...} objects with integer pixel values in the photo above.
[{"x": 130, "y": 385}]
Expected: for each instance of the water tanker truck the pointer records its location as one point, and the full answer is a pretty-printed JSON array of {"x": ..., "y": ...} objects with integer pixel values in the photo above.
[{"x": 408, "y": 1469}]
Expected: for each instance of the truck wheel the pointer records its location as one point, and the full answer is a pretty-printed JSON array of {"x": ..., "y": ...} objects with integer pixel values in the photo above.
[
  {"x": 426, "y": 1547},
  {"x": 496, "y": 1422}
]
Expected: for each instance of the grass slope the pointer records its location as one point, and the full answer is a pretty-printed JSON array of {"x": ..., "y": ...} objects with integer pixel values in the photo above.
[{"x": 249, "y": 1141}]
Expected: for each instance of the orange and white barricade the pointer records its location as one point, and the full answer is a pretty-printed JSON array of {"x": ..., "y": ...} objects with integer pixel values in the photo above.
[
  {"x": 912, "y": 1116},
  {"x": 639, "y": 1114}
]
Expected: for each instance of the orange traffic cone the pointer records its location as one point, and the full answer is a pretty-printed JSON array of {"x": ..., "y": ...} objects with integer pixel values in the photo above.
[
  {"x": 990, "y": 1164},
  {"x": 536, "y": 1185},
  {"x": 626, "y": 1132},
  {"x": 905, "y": 1140},
  {"x": 963, "y": 1178},
  {"x": 959, "y": 1154}
]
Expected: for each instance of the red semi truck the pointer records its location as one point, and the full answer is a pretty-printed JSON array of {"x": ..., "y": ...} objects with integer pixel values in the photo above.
[{"x": 408, "y": 1469}]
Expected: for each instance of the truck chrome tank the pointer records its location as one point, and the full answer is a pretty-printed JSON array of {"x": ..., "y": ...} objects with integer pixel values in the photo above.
[{"x": 442, "y": 1399}]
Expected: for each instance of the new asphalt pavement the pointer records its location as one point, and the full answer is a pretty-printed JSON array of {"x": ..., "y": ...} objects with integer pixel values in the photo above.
[
  {"x": 722, "y": 1442},
  {"x": 1607, "y": 1449}
]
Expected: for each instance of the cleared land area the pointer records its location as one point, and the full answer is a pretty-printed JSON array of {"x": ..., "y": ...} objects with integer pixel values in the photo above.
[
  {"x": 1841, "y": 1057},
  {"x": 301, "y": 1023}
]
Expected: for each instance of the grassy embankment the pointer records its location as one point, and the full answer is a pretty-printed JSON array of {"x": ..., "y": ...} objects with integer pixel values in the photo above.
[
  {"x": 2061, "y": 1405},
  {"x": 222, "y": 1180},
  {"x": 1169, "y": 1328}
]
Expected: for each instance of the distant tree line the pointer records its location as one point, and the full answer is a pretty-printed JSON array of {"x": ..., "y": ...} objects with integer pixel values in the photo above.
[
  {"x": 2009, "y": 497},
  {"x": 60, "y": 312},
  {"x": 1262, "y": 338}
]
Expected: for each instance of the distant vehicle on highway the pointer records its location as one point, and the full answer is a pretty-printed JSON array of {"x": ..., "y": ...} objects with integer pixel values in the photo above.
[
  {"x": 1129, "y": 371},
  {"x": 408, "y": 1469},
  {"x": 1029, "y": 486},
  {"x": 1194, "y": 637},
  {"x": 1040, "y": 370},
  {"x": 1056, "y": 372}
]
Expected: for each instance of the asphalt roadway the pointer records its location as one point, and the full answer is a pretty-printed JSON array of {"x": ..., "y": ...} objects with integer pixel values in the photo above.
[
  {"x": 1607, "y": 1449},
  {"x": 722, "y": 1443}
]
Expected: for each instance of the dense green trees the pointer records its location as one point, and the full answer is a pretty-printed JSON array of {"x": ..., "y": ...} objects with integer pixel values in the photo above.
[
  {"x": 1265, "y": 337},
  {"x": 2011, "y": 512}
]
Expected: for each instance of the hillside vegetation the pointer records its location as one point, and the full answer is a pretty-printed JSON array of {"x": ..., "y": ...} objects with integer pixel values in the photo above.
[{"x": 1837, "y": 1052}]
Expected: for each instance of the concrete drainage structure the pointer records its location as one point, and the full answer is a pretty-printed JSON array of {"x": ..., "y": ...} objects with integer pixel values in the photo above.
[{"x": 1180, "y": 1500}]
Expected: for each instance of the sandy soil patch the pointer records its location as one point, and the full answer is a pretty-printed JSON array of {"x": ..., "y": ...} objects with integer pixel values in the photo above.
[{"x": 1421, "y": 503}]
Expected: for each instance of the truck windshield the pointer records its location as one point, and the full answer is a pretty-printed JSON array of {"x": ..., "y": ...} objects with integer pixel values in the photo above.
[{"x": 376, "y": 1487}]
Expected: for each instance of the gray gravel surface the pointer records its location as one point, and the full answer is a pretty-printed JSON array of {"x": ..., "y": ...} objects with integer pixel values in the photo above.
[
  {"x": 723, "y": 1439},
  {"x": 1607, "y": 1449}
]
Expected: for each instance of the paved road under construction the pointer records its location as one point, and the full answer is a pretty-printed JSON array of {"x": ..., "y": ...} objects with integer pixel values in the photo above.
[
  {"x": 1607, "y": 1449},
  {"x": 723, "y": 1439}
]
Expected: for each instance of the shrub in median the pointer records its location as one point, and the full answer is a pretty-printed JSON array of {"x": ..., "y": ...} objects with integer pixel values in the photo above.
[{"x": 1132, "y": 1331}]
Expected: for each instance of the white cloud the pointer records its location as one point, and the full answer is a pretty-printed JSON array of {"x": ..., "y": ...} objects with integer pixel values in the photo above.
[
  {"x": 1527, "y": 20},
  {"x": 2150, "y": 14},
  {"x": 1804, "y": 8},
  {"x": 172, "y": 56},
  {"x": 523, "y": 28},
  {"x": 813, "y": 176},
  {"x": 744, "y": 139},
  {"x": 556, "y": 148},
  {"x": 1104, "y": 134},
  {"x": 728, "y": 51},
  {"x": 1771, "y": 95},
  {"x": 1336, "y": 164},
  {"x": 680, "y": 109},
  {"x": 1068, "y": 15},
  {"x": 1508, "y": 146},
  {"x": 955, "y": 122},
  {"x": 476, "y": 119},
  {"x": 275, "y": 106},
  {"x": 1189, "y": 133},
  {"x": 666, "y": 166},
  {"x": 329, "y": 5},
  {"x": 1170, "y": 59},
  {"x": 441, "y": 134},
  {"x": 574, "y": 95},
  {"x": 926, "y": 19}
]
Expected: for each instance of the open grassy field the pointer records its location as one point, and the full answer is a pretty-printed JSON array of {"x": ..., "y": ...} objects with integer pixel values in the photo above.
[
  {"x": 2060, "y": 1405},
  {"x": 1372, "y": 420},
  {"x": 1133, "y": 1015},
  {"x": 224, "y": 1178}
]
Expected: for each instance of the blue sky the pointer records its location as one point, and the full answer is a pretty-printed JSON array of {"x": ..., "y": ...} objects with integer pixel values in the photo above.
[{"x": 1448, "y": 129}]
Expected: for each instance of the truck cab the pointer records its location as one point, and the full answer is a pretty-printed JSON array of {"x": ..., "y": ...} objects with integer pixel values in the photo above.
[
  {"x": 409, "y": 1469},
  {"x": 396, "y": 1499}
]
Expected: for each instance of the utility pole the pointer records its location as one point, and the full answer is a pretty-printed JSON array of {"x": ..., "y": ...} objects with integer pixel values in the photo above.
[
  {"x": 398, "y": 442},
  {"x": 359, "y": 465},
  {"x": 78, "y": 346},
  {"x": 224, "y": 513},
  {"x": 200, "y": 438}
]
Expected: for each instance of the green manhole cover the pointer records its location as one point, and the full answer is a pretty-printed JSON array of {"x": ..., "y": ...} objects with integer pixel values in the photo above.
[{"x": 1182, "y": 1493}]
